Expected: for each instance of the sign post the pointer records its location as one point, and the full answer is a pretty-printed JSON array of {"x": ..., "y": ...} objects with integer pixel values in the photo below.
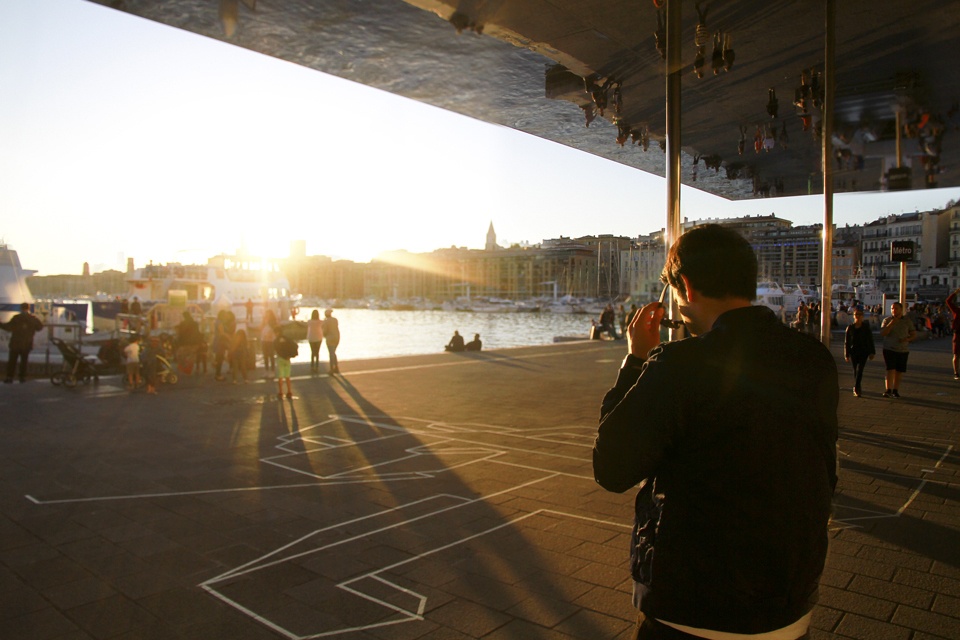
[{"x": 902, "y": 251}]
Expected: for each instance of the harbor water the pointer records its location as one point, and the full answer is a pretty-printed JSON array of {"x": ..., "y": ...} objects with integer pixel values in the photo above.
[{"x": 366, "y": 333}]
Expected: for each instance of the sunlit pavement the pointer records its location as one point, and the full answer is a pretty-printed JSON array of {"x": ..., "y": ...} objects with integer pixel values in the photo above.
[{"x": 443, "y": 496}]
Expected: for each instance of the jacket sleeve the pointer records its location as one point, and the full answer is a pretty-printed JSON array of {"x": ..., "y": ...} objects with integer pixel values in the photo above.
[
  {"x": 848, "y": 341},
  {"x": 636, "y": 424}
]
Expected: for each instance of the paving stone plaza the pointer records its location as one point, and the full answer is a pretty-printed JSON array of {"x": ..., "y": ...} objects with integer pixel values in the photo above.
[{"x": 444, "y": 496}]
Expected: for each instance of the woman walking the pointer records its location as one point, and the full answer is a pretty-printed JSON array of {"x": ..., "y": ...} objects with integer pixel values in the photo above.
[
  {"x": 331, "y": 331},
  {"x": 315, "y": 338}
]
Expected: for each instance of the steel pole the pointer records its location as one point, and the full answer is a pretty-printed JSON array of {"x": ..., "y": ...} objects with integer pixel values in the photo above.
[
  {"x": 673, "y": 70},
  {"x": 829, "y": 81},
  {"x": 903, "y": 285}
]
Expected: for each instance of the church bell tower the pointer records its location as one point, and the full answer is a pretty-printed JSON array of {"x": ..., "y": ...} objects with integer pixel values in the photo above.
[{"x": 491, "y": 238}]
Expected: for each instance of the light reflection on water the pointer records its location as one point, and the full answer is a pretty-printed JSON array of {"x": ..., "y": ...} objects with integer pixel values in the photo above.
[{"x": 366, "y": 333}]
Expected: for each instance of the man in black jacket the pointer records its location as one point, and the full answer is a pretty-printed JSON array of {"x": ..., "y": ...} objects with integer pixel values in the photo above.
[
  {"x": 858, "y": 347},
  {"x": 731, "y": 435},
  {"x": 22, "y": 327}
]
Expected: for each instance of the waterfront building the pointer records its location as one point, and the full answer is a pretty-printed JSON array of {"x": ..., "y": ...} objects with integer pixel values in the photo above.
[
  {"x": 954, "y": 245},
  {"x": 109, "y": 282},
  {"x": 846, "y": 259},
  {"x": 930, "y": 231}
]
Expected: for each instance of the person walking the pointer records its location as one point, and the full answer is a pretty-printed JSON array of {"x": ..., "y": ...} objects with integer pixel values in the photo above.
[
  {"x": 898, "y": 332},
  {"x": 731, "y": 435},
  {"x": 314, "y": 339},
  {"x": 331, "y": 331},
  {"x": 953, "y": 303},
  {"x": 21, "y": 327},
  {"x": 858, "y": 347}
]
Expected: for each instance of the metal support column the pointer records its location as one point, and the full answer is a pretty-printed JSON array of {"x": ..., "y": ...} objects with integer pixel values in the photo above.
[
  {"x": 673, "y": 68},
  {"x": 829, "y": 82},
  {"x": 903, "y": 285}
]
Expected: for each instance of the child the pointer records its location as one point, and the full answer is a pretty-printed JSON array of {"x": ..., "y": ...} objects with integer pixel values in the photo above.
[
  {"x": 132, "y": 353},
  {"x": 238, "y": 357},
  {"x": 286, "y": 349},
  {"x": 150, "y": 364}
]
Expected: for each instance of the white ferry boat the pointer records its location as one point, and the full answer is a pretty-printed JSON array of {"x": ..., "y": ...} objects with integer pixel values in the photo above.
[
  {"x": 867, "y": 288},
  {"x": 64, "y": 320},
  {"x": 231, "y": 281},
  {"x": 13, "y": 283},
  {"x": 773, "y": 296}
]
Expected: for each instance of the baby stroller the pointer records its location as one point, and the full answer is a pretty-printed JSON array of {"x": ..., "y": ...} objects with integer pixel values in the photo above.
[
  {"x": 164, "y": 372},
  {"x": 77, "y": 367}
]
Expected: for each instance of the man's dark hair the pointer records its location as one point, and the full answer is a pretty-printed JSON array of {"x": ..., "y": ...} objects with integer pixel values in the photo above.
[
  {"x": 718, "y": 262},
  {"x": 24, "y": 306}
]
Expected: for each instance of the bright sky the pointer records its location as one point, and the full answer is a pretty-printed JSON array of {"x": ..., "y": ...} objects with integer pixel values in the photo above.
[{"x": 122, "y": 135}]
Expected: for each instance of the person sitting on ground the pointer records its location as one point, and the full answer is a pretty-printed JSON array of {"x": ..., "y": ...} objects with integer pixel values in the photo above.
[
  {"x": 607, "y": 319},
  {"x": 455, "y": 344},
  {"x": 475, "y": 344}
]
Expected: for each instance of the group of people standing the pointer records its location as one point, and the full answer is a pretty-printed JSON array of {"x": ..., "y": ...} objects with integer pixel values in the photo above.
[{"x": 230, "y": 345}]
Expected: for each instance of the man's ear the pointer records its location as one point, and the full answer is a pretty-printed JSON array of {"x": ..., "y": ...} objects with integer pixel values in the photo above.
[{"x": 691, "y": 294}]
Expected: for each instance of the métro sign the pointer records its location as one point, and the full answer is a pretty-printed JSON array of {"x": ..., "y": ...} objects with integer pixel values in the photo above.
[{"x": 903, "y": 250}]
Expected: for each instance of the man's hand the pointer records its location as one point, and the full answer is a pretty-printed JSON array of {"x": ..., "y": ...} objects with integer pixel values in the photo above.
[
  {"x": 847, "y": 358},
  {"x": 870, "y": 356},
  {"x": 643, "y": 333}
]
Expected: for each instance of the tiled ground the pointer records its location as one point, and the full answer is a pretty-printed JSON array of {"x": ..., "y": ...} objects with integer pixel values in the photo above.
[{"x": 446, "y": 496}]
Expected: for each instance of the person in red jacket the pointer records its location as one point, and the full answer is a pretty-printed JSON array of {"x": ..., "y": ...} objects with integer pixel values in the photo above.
[{"x": 955, "y": 310}]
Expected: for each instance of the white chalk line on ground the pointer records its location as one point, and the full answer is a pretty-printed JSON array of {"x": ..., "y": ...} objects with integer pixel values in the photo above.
[
  {"x": 408, "y": 615},
  {"x": 492, "y": 451},
  {"x": 899, "y": 512}
]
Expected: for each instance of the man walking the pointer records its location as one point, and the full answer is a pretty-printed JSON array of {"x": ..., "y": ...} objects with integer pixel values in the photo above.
[
  {"x": 22, "y": 327},
  {"x": 898, "y": 332},
  {"x": 858, "y": 347},
  {"x": 731, "y": 435},
  {"x": 953, "y": 303}
]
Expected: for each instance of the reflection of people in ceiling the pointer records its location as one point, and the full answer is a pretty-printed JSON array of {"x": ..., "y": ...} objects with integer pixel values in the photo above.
[
  {"x": 728, "y": 53},
  {"x": 742, "y": 145},
  {"x": 716, "y": 63},
  {"x": 661, "y": 34},
  {"x": 773, "y": 105},
  {"x": 701, "y": 38}
]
